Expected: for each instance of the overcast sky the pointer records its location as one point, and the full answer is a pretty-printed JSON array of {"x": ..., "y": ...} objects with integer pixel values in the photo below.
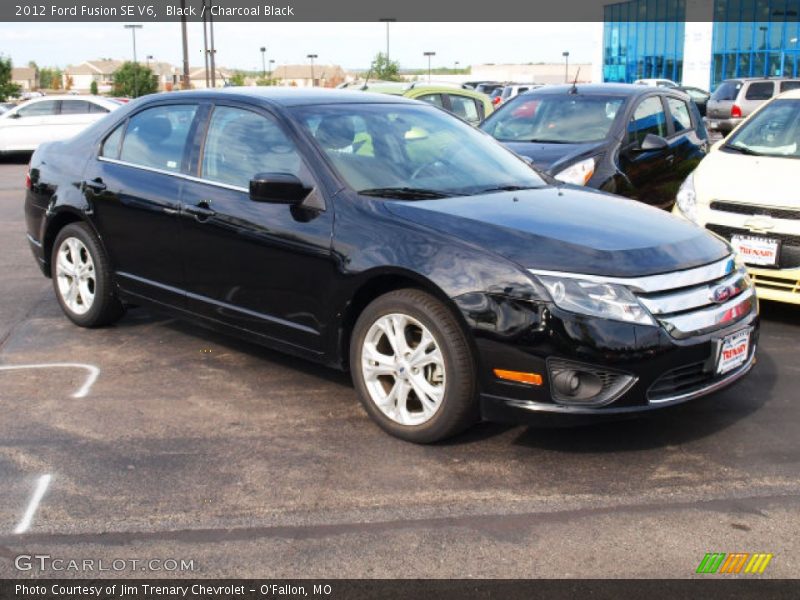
[{"x": 351, "y": 45}]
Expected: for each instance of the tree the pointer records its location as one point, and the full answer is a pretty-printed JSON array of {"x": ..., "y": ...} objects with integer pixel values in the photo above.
[
  {"x": 266, "y": 81},
  {"x": 134, "y": 80},
  {"x": 385, "y": 69},
  {"x": 93, "y": 88},
  {"x": 7, "y": 87},
  {"x": 237, "y": 78}
]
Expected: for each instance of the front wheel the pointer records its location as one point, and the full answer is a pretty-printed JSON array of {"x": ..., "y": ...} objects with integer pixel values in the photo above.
[
  {"x": 82, "y": 278},
  {"x": 412, "y": 367}
]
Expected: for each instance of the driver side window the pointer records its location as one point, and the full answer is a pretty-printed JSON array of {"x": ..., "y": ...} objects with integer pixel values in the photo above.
[{"x": 648, "y": 117}]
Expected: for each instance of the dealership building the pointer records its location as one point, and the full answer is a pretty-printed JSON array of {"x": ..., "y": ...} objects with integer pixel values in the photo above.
[{"x": 699, "y": 42}]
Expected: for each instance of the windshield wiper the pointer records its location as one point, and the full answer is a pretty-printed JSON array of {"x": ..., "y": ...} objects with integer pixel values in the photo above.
[
  {"x": 742, "y": 149},
  {"x": 505, "y": 188},
  {"x": 405, "y": 193},
  {"x": 541, "y": 141}
]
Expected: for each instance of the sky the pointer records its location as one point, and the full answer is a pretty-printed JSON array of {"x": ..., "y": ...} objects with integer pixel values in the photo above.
[{"x": 351, "y": 45}]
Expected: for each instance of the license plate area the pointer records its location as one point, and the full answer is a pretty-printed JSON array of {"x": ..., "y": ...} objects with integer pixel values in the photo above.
[
  {"x": 733, "y": 350},
  {"x": 757, "y": 250}
]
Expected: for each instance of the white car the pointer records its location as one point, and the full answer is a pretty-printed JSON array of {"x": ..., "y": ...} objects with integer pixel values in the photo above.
[
  {"x": 49, "y": 118},
  {"x": 668, "y": 83},
  {"x": 746, "y": 190}
]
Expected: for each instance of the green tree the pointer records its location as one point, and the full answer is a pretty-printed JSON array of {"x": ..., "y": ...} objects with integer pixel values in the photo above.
[
  {"x": 385, "y": 69},
  {"x": 7, "y": 87},
  {"x": 266, "y": 81},
  {"x": 134, "y": 80},
  {"x": 237, "y": 78},
  {"x": 93, "y": 88}
]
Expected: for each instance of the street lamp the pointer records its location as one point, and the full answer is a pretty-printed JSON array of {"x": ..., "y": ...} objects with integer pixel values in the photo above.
[
  {"x": 263, "y": 59},
  {"x": 566, "y": 66},
  {"x": 149, "y": 58},
  {"x": 455, "y": 65},
  {"x": 312, "y": 57},
  {"x": 133, "y": 29},
  {"x": 387, "y": 21},
  {"x": 271, "y": 62},
  {"x": 429, "y": 54}
]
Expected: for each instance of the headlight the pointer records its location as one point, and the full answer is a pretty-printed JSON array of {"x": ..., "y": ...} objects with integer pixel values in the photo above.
[
  {"x": 605, "y": 300},
  {"x": 687, "y": 199},
  {"x": 579, "y": 174}
]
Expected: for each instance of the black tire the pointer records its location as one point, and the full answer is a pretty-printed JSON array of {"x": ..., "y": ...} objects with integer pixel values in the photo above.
[
  {"x": 459, "y": 408},
  {"x": 105, "y": 308}
]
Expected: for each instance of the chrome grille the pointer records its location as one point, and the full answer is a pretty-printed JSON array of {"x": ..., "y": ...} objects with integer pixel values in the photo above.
[{"x": 755, "y": 210}]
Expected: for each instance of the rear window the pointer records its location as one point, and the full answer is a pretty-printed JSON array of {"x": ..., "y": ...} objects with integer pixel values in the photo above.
[
  {"x": 727, "y": 90},
  {"x": 760, "y": 90},
  {"x": 790, "y": 85}
]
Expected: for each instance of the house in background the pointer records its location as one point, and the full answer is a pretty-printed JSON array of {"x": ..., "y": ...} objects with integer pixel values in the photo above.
[
  {"x": 197, "y": 78},
  {"x": 80, "y": 77},
  {"x": 167, "y": 75},
  {"x": 26, "y": 78},
  {"x": 301, "y": 75}
]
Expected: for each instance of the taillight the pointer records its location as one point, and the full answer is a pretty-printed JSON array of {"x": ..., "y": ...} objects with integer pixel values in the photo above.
[
  {"x": 736, "y": 111},
  {"x": 28, "y": 177}
]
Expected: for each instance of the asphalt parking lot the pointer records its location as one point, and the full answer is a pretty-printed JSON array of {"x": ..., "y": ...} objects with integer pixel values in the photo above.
[{"x": 190, "y": 445}]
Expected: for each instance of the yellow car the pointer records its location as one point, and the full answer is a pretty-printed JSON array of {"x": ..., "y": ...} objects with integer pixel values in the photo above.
[{"x": 747, "y": 190}]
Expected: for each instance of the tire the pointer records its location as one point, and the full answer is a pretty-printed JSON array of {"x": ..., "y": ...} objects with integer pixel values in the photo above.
[
  {"x": 82, "y": 278},
  {"x": 390, "y": 389}
]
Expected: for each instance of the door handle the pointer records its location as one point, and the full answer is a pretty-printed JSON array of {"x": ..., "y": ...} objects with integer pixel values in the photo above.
[
  {"x": 670, "y": 159},
  {"x": 96, "y": 184},
  {"x": 200, "y": 211}
]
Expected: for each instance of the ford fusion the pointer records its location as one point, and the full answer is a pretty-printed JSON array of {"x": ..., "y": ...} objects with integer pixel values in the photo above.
[{"x": 384, "y": 236}]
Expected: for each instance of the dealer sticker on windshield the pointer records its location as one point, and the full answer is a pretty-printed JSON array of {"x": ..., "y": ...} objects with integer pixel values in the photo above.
[
  {"x": 734, "y": 350},
  {"x": 756, "y": 250}
]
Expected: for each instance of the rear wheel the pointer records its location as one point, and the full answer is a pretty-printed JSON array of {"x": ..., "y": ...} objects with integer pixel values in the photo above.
[
  {"x": 413, "y": 368},
  {"x": 82, "y": 278}
]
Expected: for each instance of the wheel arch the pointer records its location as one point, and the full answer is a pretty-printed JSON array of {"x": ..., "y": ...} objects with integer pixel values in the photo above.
[{"x": 54, "y": 224}]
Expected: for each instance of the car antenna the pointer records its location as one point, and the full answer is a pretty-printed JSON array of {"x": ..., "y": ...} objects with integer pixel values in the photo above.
[
  {"x": 574, "y": 88},
  {"x": 366, "y": 81}
]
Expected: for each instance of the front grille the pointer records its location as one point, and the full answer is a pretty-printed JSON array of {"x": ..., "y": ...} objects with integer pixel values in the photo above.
[
  {"x": 789, "y": 255},
  {"x": 755, "y": 210}
]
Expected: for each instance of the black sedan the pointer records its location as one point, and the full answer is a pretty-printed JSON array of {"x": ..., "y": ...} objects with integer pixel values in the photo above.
[
  {"x": 633, "y": 140},
  {"x": 384, "y": 236}
]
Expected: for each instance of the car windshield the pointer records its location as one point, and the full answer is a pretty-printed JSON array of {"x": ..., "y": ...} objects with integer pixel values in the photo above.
[
  {"x": 412, "y": 151},
  {"x": 555, "y": 118},
  {"x": 772, "y": 131}
]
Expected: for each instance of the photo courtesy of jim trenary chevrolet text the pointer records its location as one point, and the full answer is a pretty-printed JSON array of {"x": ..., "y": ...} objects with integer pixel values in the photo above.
[{"x": 380, "y": 299}]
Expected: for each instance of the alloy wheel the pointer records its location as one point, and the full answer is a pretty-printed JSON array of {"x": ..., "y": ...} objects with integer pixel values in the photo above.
[{"x": 75, "y": 275}]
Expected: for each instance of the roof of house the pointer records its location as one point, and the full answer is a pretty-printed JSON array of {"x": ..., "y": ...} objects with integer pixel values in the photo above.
[
  {"x": 23, "y": 74},
  {"x": 305, "y": 71},
  {"x": 94, "y": 67}
]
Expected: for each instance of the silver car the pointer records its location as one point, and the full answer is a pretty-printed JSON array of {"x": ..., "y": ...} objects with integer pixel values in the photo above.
[{"x": 735, "y": 99}]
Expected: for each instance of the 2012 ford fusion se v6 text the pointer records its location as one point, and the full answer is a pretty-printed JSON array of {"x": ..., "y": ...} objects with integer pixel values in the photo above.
[{"x": 384, "y": 236}]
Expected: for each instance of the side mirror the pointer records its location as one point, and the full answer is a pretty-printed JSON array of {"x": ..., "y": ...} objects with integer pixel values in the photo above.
[
  {"x": 653, "y": 142},
  {"x": 15, "y": 115},
  {"x": 277, "y": 188}
]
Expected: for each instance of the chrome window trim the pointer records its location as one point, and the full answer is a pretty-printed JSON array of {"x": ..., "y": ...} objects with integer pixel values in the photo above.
[
  {"x": 124, "y": 163},
  {"x": 656, "y": 283},
  {"x": 693, "y": 298}
]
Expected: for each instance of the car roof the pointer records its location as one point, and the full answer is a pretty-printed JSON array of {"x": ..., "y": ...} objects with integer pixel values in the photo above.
[
  {"x": 287, "y": 96},
  {"x": 613, "y": 89},
  {"x": 748, "y": 79}
]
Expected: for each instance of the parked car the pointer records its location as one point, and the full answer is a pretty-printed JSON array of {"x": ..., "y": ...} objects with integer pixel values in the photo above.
[
  {"x": 735, "y": 99},
  {"x": 489, "y": 87},
  {"x": 515, "y": 89},
  {"x": 496, "y": 96},
  {"x": 668, "y": 83},
  {"x": 470, "y": 105},
  {"x": 6, "y": 106},
  {"x": 454, "y": 282},
  {"x": 746, "y": 191},
  {"x": 634, "y": 140},
  {"x": 699, "y": 96},
  {"x": 50, "y": 118}
]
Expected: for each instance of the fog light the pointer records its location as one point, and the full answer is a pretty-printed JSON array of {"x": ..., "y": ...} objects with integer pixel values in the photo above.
[{"x": 586, "y": 385}]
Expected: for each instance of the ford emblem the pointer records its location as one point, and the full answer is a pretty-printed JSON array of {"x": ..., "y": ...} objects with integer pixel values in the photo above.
[{"x": 721, "y": 294}]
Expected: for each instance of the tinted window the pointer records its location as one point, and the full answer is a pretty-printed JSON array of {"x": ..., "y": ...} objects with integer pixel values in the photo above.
[
  {"x": 522, "y": 89},
  {"x": 761, "y": 90},
  {"x": 727, "y": 91},
  {"x": 157, "y": 137},
  {"x": 648, "y": 117},
  {"x": 466, "y": 108},
  {"x": 790, "y": 85},
  {"x": 113, "y": 143},
  {"x": 75, "y": 107},
  {"x": 435, "y": 99},
  {"x": 241, "y": 144},
  {"x": 39, "y": 109},
  {"x": 681, "y": 117},
  {"x": 554, "y": 118},
  {"x": 96, "y": 108}
]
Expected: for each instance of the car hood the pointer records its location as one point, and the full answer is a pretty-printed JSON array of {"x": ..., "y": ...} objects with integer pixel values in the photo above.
[
  {"x": 765, "y": 180},
  {"x": 551, "y": 158},
  {"x": 570, "y": 229}
]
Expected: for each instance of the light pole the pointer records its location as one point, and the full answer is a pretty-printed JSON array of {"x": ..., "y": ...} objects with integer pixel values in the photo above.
[
  {"x": 271, "y": 62},
  {"x": 312, "y": 57},
  {"x": 133, "y": 29},
  {"x": 186, "y": 83},
  {"x": 429, "y": 55},
  {"x": 263, "y": 61},
  {"x": 149, "y": 58},
  {"x": 387, "y": 21},
  {"x": 455, "y": 65},
  {"x": 566, "y": 66}
]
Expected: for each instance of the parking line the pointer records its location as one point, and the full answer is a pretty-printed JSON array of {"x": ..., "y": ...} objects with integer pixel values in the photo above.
[
  {"x": 82, "y": 392},
  {"x": 38, "y": 494}
]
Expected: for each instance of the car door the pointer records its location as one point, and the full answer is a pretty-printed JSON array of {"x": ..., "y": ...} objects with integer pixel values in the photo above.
[
  {"x": 466, "y": 107},
  {"x": 133, "y": 188},
  {"x": 256, "y": 266},
  {"x": 76, "y": 115},
  {"x": 687, "y": 139},
  {"x": 30, "y": 125},
  {"x": 755, "y": 94},
  {"x": 649, "y": 172}
]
